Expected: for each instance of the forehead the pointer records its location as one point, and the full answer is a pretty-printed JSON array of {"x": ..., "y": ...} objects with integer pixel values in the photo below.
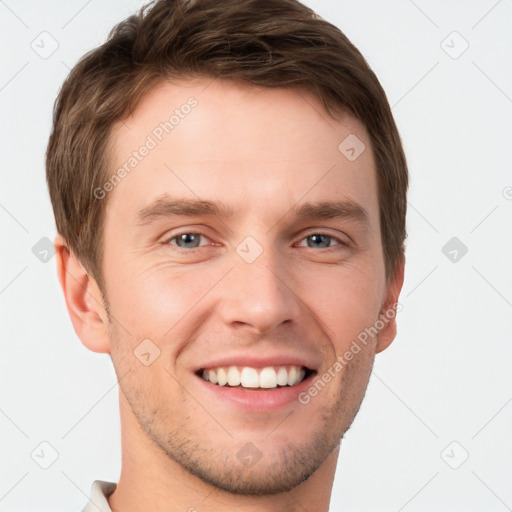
[{"x": 252, "y": 147}]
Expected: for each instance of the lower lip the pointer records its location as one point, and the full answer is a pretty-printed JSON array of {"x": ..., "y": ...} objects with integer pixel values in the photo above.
[{"x": 257, "y": 400}]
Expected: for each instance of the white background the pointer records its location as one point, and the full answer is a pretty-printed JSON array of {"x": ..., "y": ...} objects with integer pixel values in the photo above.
[{"x": 445, "y": 378}]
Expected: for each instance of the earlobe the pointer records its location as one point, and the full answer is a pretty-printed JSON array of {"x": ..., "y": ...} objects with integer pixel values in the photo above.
[
  {"x": 84, "y": 300},
  {"x": 389, "y": 309}
]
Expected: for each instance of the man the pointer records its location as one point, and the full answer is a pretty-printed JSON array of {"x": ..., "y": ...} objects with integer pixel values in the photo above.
[{"x": 229, "y": 189}]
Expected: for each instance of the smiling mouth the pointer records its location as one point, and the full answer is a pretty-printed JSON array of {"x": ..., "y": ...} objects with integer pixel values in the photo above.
[{"x": 267, "y": 378}]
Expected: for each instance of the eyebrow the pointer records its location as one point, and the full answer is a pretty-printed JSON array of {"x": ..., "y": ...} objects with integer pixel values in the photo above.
[
  {"x": 165, "y": 206},
  {"x": 344, "y": 209}
]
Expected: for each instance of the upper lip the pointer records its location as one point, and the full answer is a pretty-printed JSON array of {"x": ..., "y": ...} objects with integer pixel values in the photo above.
[{"x": 255, "y": 361}]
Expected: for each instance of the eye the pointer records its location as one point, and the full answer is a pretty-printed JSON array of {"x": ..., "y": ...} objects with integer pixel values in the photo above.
[
  {"x": 320, "y": 241},
  {"x": 187, "y": 240}
]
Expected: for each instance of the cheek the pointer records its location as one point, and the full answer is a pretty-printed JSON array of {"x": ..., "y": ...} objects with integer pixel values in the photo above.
[
  {"x": 344, "y": 299},
  {"x": 153, "y": 301}
]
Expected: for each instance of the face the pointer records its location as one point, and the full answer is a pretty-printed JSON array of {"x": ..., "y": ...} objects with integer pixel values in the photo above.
[{"x": 242, "y": 244}]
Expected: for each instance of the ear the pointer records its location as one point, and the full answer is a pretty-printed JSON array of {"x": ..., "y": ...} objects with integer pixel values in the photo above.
[
  {"x": 83, "y": 299},
  {"x": 389, "y": 308}
]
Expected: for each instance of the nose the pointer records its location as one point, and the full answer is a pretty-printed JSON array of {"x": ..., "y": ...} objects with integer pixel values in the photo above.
[{"x": 259, "y": 295}]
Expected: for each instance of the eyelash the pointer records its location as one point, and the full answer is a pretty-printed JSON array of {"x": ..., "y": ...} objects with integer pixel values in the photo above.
[{"x": 338, "y": 240}]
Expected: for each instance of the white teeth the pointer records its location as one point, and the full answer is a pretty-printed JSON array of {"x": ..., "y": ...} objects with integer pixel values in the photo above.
[
  {"x": 212, "y": 376},
  {"x": 249, "y": 378},
  {"x": 282, "y": 377},
  {"x": 267, "y": 378},
  {"x": 233, "y": 376},
  {"x": 292, "y": 376},
  {"x": 222, "y": 378}
]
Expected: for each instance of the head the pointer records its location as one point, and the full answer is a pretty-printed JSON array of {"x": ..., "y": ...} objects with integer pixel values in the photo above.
[{"x": 228, "y": 182}]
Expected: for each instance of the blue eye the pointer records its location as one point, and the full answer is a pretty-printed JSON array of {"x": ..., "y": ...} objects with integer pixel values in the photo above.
[
  {"x": 320, "y": 241},
  {"x": 187, "y": 240},
  {"x": 195, "y": 240}
]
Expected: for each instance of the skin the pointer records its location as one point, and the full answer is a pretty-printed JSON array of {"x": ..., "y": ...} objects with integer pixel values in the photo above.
[{"x": 263, "y": 153}]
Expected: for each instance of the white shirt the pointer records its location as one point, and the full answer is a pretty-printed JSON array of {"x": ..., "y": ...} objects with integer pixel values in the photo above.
[{"x": 100, "y": 491}]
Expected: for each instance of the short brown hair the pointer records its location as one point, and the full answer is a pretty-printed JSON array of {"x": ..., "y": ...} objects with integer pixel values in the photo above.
[{"x": 271, "y": 43}]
